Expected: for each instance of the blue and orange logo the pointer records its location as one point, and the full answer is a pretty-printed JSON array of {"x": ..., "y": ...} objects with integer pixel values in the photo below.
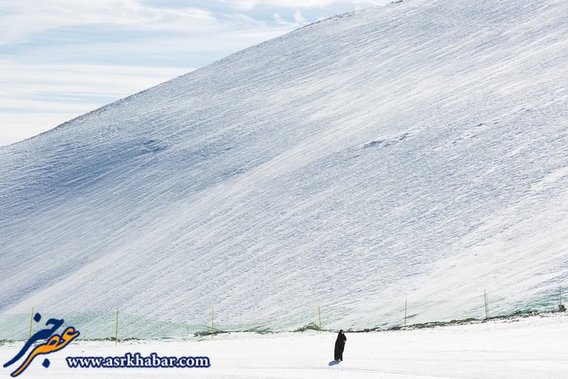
[{"x": 52, "y": 342}]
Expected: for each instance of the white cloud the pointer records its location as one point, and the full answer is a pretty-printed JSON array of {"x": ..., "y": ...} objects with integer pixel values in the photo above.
[
  {"x": 295, "y": 4},
  {"x": 299, "y": 18},
  {"x": 21, "y": 20}
]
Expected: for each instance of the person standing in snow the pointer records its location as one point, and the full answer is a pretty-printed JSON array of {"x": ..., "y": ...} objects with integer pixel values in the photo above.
[{"x": 339, "y": 346}]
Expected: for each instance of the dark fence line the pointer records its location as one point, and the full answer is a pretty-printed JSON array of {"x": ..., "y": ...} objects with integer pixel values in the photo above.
[{"x": 119, "y": 326}]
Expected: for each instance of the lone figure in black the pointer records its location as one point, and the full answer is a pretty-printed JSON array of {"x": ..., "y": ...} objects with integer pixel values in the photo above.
[{"x": 339, "y": 346}]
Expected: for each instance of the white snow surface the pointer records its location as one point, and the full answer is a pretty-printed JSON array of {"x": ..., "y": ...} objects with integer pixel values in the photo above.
[
  {"x": 413, "y": 151},
  {"x": 525, "y": 349}
]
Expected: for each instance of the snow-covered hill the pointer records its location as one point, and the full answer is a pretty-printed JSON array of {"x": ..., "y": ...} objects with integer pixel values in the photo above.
[{"x": 417, "y": 150}]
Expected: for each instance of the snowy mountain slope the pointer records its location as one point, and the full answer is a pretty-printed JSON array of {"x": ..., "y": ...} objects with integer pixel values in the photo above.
[{"x": 414, "y": 150}]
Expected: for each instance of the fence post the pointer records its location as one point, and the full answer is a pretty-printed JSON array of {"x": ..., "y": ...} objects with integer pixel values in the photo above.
[
  {"x": 116, "y": 329},
  {"x": 405, "y": 310},
  {"x": 485, "y": 297},
  {"x": 31, "y": 319},
  {"x": 212, "y": 319},
  {"x": 319, "y": 318},
  {"x": 561, "y": 307}
]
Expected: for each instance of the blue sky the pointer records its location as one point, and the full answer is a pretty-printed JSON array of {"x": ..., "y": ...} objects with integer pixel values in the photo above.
[{"x": 62, "y": 58}]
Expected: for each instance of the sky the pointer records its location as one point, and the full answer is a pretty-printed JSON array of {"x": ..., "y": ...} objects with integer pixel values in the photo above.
[{"x": 62, "y": 58}]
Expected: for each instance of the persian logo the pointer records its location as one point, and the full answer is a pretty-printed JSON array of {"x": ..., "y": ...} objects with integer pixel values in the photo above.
[{"x": 52, "y": 343}]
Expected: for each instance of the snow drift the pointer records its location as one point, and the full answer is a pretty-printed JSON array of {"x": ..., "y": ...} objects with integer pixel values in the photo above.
[{"x": 416, "y": 150}]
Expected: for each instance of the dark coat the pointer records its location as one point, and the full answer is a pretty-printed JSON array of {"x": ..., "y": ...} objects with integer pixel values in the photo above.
[{"x": 339, "y": 346}]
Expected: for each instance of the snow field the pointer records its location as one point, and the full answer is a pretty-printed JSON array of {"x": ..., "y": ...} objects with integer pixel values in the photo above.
[{"x": 522, "y": 349}]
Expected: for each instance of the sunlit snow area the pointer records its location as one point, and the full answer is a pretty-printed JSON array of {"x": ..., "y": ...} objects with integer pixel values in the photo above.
[
  {"x": 412, "y": 152},
  {"x": 526, "y": 348}
]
